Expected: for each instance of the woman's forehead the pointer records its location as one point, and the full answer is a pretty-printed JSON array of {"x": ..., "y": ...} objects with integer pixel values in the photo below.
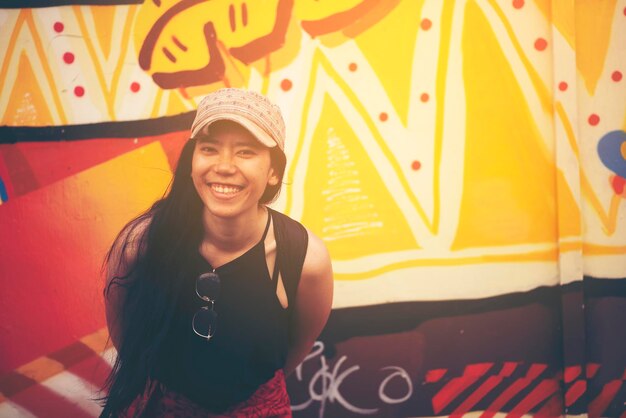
[{"x": 228, "y": 131}]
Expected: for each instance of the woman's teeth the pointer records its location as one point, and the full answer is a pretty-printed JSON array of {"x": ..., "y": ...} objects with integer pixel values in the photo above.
[{"x": 224, "y": 189}]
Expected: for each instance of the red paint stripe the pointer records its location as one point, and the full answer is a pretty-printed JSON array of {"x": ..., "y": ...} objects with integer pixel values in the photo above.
[
  {"x": 541, "y": 392},
  {"x": 591, "y": 369},
  {"x": 533, "y": 372},
  {"x": 477, "y": 369},
  {"x": 575, "y": 391},
  {"x": 475, "y": 397},
  {"x": 450, "y": 391},
  {"x": 572, "y": 373},
  {"x": 507, "y": 369},
  {"x": 435, "y": 375},
  {"x": 601, "y": 402},
  {"x": 552, "y": 409},
  {"x": 457, "y": 385}
]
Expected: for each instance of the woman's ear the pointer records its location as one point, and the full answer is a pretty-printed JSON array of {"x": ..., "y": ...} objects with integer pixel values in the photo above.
[{"x": 273, "y": 178}]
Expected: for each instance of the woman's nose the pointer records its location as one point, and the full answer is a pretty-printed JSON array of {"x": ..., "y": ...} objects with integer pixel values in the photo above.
[{"x": 225, "y": 164}]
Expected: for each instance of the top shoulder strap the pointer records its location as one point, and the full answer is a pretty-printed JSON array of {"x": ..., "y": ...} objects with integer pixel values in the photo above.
[{"x": 292, "y": 241}]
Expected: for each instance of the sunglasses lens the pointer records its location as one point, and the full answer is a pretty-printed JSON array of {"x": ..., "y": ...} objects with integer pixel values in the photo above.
[
  {"x": 208, "y": 286},
  {"x": 205, "y": 322}
]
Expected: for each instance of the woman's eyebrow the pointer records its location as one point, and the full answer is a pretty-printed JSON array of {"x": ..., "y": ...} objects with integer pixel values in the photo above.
[
  {"x": 253, "y": 143},
  {"x": 205, "y": 138}
]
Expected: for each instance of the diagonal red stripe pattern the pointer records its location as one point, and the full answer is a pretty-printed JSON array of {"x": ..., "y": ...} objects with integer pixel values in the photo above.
[
  {"x": 575, "y": 392},
  {"x": 457, "y": 385},
  {"x": 435, "y": 375},
  {"x": 475, "y": 397},
  {"x": 603, "y": 400},
  {"x": 484, "y": 389},
  {"x": 571, "y": 373},
  {"x": 517, "y": 386},
  {"x": 541, "y": 392},
  {"x": 591, "y": 369},
  {"x": 552, "y": 409}
]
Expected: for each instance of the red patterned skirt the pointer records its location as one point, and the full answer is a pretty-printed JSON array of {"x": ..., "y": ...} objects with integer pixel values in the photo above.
[{"x": 269, "y": 401}]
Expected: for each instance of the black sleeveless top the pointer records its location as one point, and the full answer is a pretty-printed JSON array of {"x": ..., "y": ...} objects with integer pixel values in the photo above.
[{"x": 251, "y": 339}]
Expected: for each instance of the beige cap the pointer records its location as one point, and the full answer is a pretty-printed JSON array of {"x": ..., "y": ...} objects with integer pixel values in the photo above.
[{"x": 251, "y": 110}]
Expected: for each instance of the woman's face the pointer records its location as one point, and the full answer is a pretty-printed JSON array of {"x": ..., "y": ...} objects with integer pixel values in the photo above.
[{"x": 230, "y": 170}]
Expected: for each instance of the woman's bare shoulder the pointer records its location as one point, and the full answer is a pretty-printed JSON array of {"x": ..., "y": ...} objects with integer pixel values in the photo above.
[{"x": 317, "y": 263}]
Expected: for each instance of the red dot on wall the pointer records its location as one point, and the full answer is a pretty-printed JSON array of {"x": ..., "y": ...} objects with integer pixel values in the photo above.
[
  {"x": 616, "y": 76},
  {"x": 68, "y": 58},
  {"x": 563, "y": 86},
  {"x": 79, "y": 91},
  {"x": 518, "y": 4},
  {"x": 352, "y": 67},
  {"x": 58, "y": 27},
  {"x": 624, "y": 11},
  {"x": 541, "y": 44},
  {"x": 416, "y": 165},
  {"x": 593, "y": 119},
  {"x": 286, "y": 84},
  {"x": 426, "y": 24},
  {"x": 424, "y": 97},
  {"x": 135, "y": 86},
  {"x": 383, "y": 116}
]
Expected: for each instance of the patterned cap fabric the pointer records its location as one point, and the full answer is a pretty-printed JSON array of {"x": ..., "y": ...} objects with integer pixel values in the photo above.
[{"x": 251, "y": 110}]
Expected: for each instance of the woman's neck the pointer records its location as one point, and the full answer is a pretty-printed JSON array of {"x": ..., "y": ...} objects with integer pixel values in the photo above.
[{"x": 234, "y": 234}]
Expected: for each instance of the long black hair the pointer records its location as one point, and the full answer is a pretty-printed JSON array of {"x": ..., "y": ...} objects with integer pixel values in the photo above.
[{"x": 162, "y": 240}]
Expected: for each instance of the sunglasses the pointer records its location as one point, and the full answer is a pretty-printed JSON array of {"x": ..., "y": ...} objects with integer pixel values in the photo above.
[{"x": 204, "y": 322}]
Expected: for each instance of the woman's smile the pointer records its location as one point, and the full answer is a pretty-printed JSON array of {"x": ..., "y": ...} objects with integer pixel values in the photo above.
[{"x": 225, "y": 189}]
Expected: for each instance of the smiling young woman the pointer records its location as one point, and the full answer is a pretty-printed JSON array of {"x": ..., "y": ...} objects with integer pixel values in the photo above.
[
  {"x": 212, "y": 297},
  {"x": 231, "y": 170}
]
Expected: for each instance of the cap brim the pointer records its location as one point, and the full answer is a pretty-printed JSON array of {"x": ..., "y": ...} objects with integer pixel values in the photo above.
[{"x": 263, "y": 137}]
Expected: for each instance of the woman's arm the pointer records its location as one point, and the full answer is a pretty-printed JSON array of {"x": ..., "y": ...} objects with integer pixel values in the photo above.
[
  {"x": 313, "y": 302},
  {"x": 121, "y": 259}
]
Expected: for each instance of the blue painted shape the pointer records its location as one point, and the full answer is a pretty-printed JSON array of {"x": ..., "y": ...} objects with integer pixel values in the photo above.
[
  {"x": 609, "y": 150},
  {"x": 3, "y": 192}
]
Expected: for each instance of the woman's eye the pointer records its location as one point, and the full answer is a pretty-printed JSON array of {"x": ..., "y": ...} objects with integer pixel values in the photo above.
[{"x": 247, "y": 152}]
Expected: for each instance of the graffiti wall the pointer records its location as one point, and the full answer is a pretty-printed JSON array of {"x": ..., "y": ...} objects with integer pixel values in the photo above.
[{"x": 464, "y": 161}]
